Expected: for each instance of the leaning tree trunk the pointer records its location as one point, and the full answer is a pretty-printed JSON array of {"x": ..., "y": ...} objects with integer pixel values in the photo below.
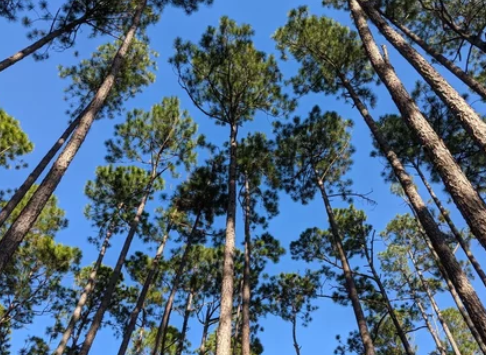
[
  {"x": 127, "y": 335},
  {"x": 17, "y": 231},
  {"x": 246, "y": 294},
  {"x": 204, "y": 336},
  {"x": 117, "y": 271},
  {"x": 443, "y": 211},
  {"x": 435, "y": 307},
  {"x": 88, "y": 289},
  {"x": 348, "y": 273},
  {"x": 453, "y": 178},
  {"x": 467, "y": 79},
  {"x": 462, "y": 192},
  {"x": 223, "y": 346},
  {"x": 471, "y": 121},
  {"x": 34, "y": 175},
  {"x": 7, "y": 62},
  {"x": 185, "y": 323}
]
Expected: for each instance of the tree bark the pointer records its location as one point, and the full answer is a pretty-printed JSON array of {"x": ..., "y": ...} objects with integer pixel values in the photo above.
[
  {"x": 431, "y": 329},
  {"x": 443, "y": 211},
  {"x": 435, "y": 307},
  {"x": 246, "y": 294},
  {"x": 348, "y": 274},
  {"x": 225, "y": 317},
  {"x": 294, "y": 335},
  {"x": 454, "y": 179},
  {"x": 467, "y": 79},
  {"x": 470, "y": 120},
  {"x": 202, "y": 347},
  {"x": 88, "y": 289},
  {"x": 7, "y": 62},
  {"x": 17, "y": 231},
  {"x": 34, "y": 175},
  {"x": 141, "y": 298},
  {"x": 185, "y": 323},
  {"x": 464, "y": 195}
]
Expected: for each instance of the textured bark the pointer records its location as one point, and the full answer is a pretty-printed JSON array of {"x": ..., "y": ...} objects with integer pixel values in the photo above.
[
  {"x": 470, "y": 120},
  {"x": 467, "y": 199},
  {"x": 34, "y": 175},
  {"x": 224, "y": 331},
  {"x": 164, "y": 323},
  {"x": 246, "y": 294},
  {"x": 17, "y": 231},
  {"x": 443, "y": 211},
  {"x": 7, "y": 62},
  {"x": 185, "y": 323},
  {"x": 105, "y": 302},
  {"x": 435, "y": 307},
  {"x": 467, "y": 79},
  {"x": 348, "y": 274},
  {"x": 88, "y": 289},
  {"x": 127, "y": 334}
]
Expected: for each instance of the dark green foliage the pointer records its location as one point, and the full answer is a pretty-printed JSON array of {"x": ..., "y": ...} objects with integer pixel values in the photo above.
[{"x": 14, "y": 143}]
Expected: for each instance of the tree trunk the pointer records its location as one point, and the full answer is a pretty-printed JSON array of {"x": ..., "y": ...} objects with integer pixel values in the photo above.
[
  {"x": 127, "y": 335},
  {"x": 7, "y": 62},
  {"x": 294, "y": 335},
  {"x": 224, "y": 331},
  {"x": 17, "y": 231},
  {"x": 98, "y": 317},
  {"x": 34, "y": 175},
  {"x": 237, "y": 318},
  {"x": 464, "y": 195},
  {"x": 162, "y": 330},
  {"x": 391, "y": 310},
  {"x": 246, "y": 294},
  {"x": 202, "y": 347},
  {"x": 447, "y": 331},
  {"x": 467, "y": 79},
  {"x": 443, "y": 211},
  {"x": 453, "y": 178},
  {"x": 431, "y": 329},
  {"x": 348, "y": 274},
  {"x": 88, "y": 289},
  {"x": 185, "y": 323},
  {"x": 471, "y": 121}
]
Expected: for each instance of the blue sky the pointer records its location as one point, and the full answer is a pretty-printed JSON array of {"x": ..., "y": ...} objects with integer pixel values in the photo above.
[{"x": 32, "y": 92}]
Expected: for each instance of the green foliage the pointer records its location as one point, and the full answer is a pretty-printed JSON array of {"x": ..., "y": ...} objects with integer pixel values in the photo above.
[
  {"x": 13, "y": 142},
  {"x": 461, "y": 333}
]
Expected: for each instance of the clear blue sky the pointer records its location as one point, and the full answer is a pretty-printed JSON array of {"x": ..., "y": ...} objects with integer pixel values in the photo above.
[{"x": 33, "y": 93}]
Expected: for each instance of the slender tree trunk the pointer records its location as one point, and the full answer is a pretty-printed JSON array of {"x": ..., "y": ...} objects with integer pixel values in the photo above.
[
  {"x": 464, "y": 195},
  {"x": 185, "y": 323},
  {"x": 471, "y": 121},
  {"x": 348, "y": 274},
  {"x": 127, "y": 335},
  {"x": 447, "y": 331},
  {"x": 17, "y": 231},
  {"x": 7, "y": 62},
  {"x": 88, "y": 289},
  {"x": 237, "y": 318},
  {"x": 162, "y": 330},
  {"x": 202, "y": 347},
  {"x": 34, "y": 175},
  {"x": 294, "y": 335},
  {"x": 432, "y": 330},
  {"x": 246, "y": 294},
  {"x": 105, "y": 302},
  {"x": 458, "y": 185},
  {"x": 391, "y": 310},
  {"x": 443, "y": 211},
  {"x": 225, "y": 316},
  {"x": 467, "y": 79}
]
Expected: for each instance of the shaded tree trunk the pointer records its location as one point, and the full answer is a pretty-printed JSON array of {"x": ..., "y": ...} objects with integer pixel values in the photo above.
[
  {"x": 225, "y": 317},
  {"x": 127, "y": 335},
  {"x": 34, "y": 175},
  {"x": 294, "y": 335},
  {"x": 185, "y": 323},
  {"x": 7, "y": 62},
  {"x": 202, "y": 347},
  {"x": 443, "y": 211},
  {"x": 17, "y": 231},
  {"x": 348, "y": 274},
  {"x": 246, "y": 294},
  {"x": 453, "y": 178}
]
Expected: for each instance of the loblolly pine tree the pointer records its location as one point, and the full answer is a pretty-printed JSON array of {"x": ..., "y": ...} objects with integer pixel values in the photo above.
[
  {"x": 87, "y": 76},
  {"x": 229, "y": 81},
  {"x": 460, "y": 331},
  {"x": 160, "y": 140},
  {"x": 114, "y": 196},
  {"x": 14, "y": 142},
  {"x": 313, "y": 155},
  {"x": 341, "y": 66}
]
